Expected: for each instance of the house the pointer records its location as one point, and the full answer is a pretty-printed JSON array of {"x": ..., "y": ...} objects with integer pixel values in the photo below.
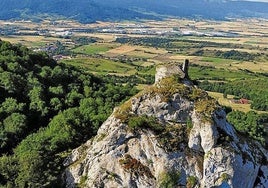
[
  {"x": 240, "y": 101},
  {"x": 243, "y": 101}
]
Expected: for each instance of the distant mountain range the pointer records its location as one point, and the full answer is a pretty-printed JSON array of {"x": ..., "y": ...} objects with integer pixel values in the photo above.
[{"x": 93, "y": 10}]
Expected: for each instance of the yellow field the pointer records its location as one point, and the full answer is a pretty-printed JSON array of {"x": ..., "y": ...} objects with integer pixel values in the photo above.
[
  {"x": 183, "y": 57},
  {"x": 255, "y": 67},
  {"x": 135, "y": 51},
  {"x": 102, "y": 36},
  {"x": 122, "y": 49}
]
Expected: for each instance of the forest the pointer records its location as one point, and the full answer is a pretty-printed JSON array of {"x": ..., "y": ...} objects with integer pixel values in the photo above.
[
  {"x": 46, "y": 109},
  {"x": 250, "y": 124}
]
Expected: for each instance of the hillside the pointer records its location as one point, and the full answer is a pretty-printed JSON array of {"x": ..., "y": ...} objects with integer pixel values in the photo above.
[
  {"x": 46, "y": 109},
  {"x": 90, "y": 10},
  {"x": 172, "y": 134}
]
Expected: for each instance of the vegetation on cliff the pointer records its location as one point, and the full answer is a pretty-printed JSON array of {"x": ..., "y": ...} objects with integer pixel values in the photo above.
[{"x": 165, "y": 89}]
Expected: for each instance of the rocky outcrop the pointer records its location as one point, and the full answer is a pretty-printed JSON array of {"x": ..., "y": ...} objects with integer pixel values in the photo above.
[{"x": 162, "y": 138}]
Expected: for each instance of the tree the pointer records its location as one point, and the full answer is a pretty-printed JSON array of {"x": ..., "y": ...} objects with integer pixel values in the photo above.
[
  {"x": 248, "y": 123},
  {"x": 11, "y": 105},
  {"x": 15, "y": 123},
  {"x": 56, "y": 104},
  {"x": 8, "y": 169},
  {"x": 11, "y": 82},
  {"x": 37, "y": 103}
]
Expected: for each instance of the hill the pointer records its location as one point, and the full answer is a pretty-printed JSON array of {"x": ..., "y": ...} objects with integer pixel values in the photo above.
[
  {"x": 90, "y": 10},
  {"x": 171, "y": 134}
]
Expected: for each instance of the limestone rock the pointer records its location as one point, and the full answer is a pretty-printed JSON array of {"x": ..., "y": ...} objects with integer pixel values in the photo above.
[
  {"x": 203, "y": 136},
  {"x": 180, "y": 148}
]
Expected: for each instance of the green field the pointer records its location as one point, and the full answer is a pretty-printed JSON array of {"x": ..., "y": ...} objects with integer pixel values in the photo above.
[
  {"x": 209, "y": 73},
  {"x": 216, "y": 60},
  {"x": 102, "y": 66}
]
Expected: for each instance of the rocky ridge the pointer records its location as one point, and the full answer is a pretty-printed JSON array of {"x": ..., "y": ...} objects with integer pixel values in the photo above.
[{"x": 172, "y": 134}]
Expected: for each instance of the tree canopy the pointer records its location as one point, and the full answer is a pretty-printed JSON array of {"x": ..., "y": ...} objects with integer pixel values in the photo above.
[{"x": 46, "y": 109}]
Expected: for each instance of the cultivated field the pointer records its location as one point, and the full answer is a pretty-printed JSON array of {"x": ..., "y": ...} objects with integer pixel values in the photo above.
[{"x": 217, "y": 50}]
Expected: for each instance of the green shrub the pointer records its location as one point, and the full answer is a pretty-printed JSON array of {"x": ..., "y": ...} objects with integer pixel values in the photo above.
[
  {"x": 139, "y": 122},
  {"x": 250, "y": 124},
  {"x": 172, "y": 137},
  {"x": 198, "y": 94},
  {"x": 169, "y": 179}
]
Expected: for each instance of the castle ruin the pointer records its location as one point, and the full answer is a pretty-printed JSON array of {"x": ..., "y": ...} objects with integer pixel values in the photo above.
[{"x": 172, "y": 69}]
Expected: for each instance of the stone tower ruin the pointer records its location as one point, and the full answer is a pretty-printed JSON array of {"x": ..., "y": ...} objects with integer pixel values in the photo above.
[{"x": 172, "y": 69}]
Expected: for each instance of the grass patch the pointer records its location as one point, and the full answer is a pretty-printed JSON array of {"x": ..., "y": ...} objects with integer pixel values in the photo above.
[
  {"x": 123, "y": 111},
  {"x": 172, "y": 138},
  {"x": 225, "y": 177},
  {"x": 206, "y": 108},
  {"x": 168, "y": 87},
  {"x": 189, "y": 125}
]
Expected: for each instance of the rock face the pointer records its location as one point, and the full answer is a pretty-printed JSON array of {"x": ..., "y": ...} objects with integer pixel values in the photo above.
[{"x": 162, "y": 138}]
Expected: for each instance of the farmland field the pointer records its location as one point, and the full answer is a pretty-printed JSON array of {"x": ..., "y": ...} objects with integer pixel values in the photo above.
[
  {"x": 93, "y": 49},
  {"x": 218, "y": 50},
  {"x": 30, "y": 41}
]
